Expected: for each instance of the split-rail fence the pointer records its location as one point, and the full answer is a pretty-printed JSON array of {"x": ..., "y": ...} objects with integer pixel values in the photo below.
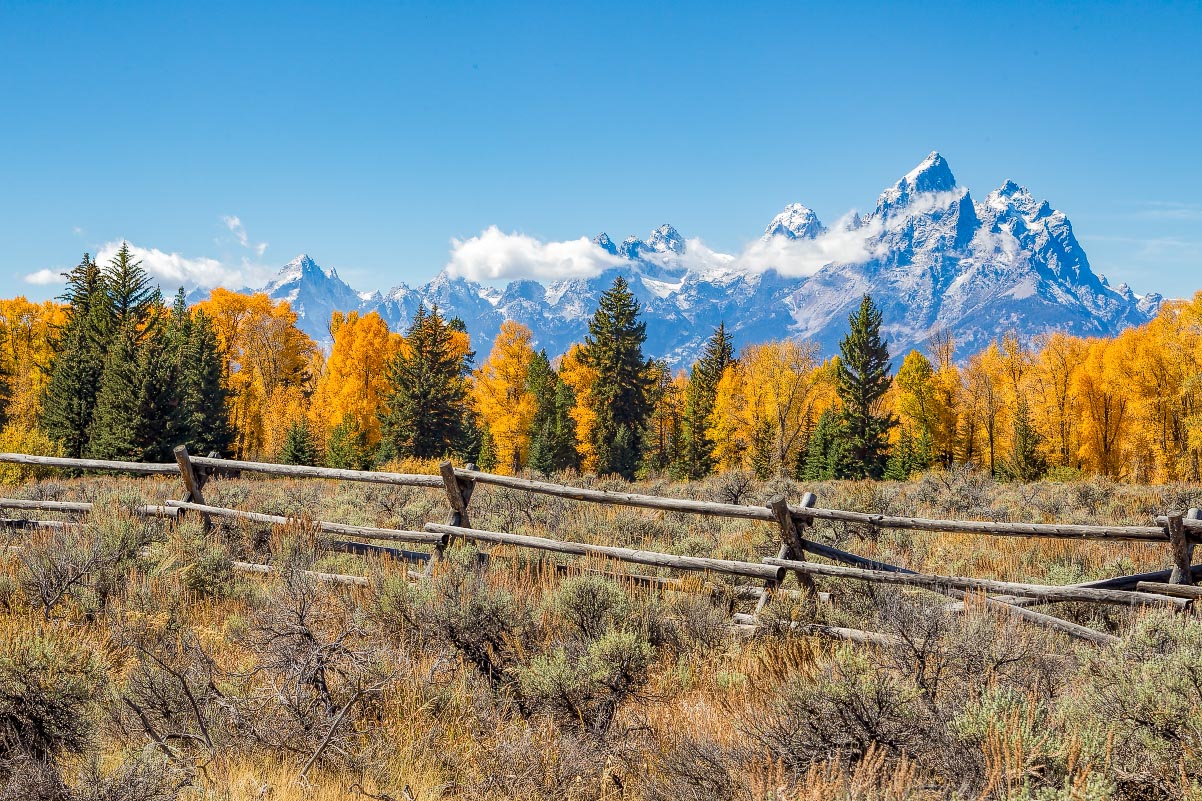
[{"x": 1172, "y": 588}]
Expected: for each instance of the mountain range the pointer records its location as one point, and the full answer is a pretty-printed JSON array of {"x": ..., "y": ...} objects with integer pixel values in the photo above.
[{"x": 930, "y": 255}]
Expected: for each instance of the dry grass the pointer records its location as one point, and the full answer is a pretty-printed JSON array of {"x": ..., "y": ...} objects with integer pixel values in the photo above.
[{"x": 467, "y": 687}]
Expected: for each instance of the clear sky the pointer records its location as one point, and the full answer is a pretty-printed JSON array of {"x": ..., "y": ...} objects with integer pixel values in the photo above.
[{"x": 232, "y": 137}]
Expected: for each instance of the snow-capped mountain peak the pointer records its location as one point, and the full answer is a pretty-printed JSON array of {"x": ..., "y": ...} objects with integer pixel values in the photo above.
[
  {"x": 932, "y": 175},
  {"x": 930, "y": 257},
  {"x": 795, "y": 222}
]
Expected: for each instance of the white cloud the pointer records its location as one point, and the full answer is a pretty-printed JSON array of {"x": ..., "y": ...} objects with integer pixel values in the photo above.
[
  {"x": 174, "y": 269},
  {"x": 496, "y": 255},
  {"x": 234, "y": 223},
  {"x": 797, "y": 258},
  {"x": 44, "y": 277}
]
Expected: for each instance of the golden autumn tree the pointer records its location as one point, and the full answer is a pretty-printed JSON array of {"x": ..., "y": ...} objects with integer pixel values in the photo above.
[
  {"x": 270, "y": 367},
  {"x": 27, "y": 339},
  {"x": 767, "y": 404},
  {"x": 581, "y": 378},
  {"x": 985, "y": 414},
  {"x": 354, "y": 379},
  {"x": 503, "y": 399},
  {"x": 1055, "y": 406},
  {"x": 1100, "y": 385},
  {"x": 28, "y": 334}
]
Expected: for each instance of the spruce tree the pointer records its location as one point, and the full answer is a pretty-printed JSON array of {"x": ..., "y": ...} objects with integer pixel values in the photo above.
[
  {"x": 299, "y": 447},
  {"x": 614, "y": 348},
  {"x": 204, "y": 413},
  {"x": 346, "y": 448},
  {"x": 115, "y": 429},
  {"x": 1026, "y": 462},
  {"x": 70, "y": 399},
  {"x": 862, "y": 381},
  {"x": 132, "y": 296},
  {"x": 426, "y": 413},
  {"x": 552, "y": 431},
  {"x": 826, "y": 455},
  {"x": 697, "y": 448}
]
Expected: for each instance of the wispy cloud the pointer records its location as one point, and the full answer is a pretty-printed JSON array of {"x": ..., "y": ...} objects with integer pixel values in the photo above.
[
  {"x": 497, "y": 255},
  {"x": 176, "y": 269},
  {"x": 44, "y": 277},
  {"x": 234, "y": 223}
]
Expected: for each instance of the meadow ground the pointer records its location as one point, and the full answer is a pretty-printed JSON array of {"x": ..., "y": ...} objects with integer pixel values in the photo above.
[{"x": 136, "y": 663}]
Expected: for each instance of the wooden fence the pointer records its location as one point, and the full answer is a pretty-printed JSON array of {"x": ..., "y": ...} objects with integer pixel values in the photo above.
[{"x": 1171, "y": 588}]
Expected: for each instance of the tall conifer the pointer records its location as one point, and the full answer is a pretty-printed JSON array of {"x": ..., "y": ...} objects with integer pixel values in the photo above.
[
  {"x": 862, "y": 381},
  {"x": 697, "y": 448},
  {"x": 426, "y": 413},
  {"x": 614, "y": 348}
]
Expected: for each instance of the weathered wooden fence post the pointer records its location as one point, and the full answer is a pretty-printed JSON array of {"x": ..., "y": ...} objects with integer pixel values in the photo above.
[
  {"x": 459, "y": 494},
  {"x": 790, "y": 543},
  {"x": 192, "y": 481},
  {"x": 1182, "y": 547}
]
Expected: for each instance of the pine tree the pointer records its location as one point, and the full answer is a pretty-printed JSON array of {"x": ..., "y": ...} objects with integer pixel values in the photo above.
[
  {"x": 1027, "y": 462},
  {"x": 697, "y": 460},
  {"x": 826, "y": 456},
  {"x": 347, "y": 447},
  {"x": 614, "y": 348},
  {"x": 903, "y": 461},
  {"x": 426, "y": 412},
  {"x": 204, "y": 414},
  {"x": 133, "y": 299},
  {"x": 553, "y": 432},
  {"x": 70, "y": 399},
  {"x": 299, "y": 447},
  {"x": 114, "y": 431},
  {"x": 862, "y": 381}
]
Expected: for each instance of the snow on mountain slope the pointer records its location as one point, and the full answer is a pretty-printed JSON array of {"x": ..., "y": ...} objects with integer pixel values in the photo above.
[{"x": 930, "y": 256}]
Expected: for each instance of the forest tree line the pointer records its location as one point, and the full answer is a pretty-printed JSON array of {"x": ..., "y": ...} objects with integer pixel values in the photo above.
[{"x": 114, "y": 371}]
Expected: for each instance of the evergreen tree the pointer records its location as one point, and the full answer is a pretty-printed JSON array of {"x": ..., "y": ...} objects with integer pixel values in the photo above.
[
  {"x": 696, "y": 448},
  {"x": 826, "y": 455},
  {"x": 426, "y": 412},
  {"x": 552, "y": 431},
  {"x": 1026, "y": 462},
  {"x": 70, "y": 398},
  {"x": 903, "y": 459},
  {"x": 114, "y": 431},
  {"x": 614, "y": 348},
  {"x": 862, "y": 381},
  {"x": 204, "y": 413},
  {"x": 132, "y": 297},
  {"x": 299, "y": 447},
  {"x": 347, "y": 448},
  {"x": 763, "y": 440},
  {"x": 486, "y": 460}
]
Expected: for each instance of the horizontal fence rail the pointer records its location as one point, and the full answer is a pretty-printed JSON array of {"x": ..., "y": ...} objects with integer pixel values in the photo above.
[{"x": 1179, "y": 532}]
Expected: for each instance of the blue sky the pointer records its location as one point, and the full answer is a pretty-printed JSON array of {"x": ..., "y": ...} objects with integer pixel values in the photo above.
[{"x": 232, "y": 137}]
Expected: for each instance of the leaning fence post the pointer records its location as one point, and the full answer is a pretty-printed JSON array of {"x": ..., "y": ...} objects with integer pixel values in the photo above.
[
  {"x": 187, "y": 472},
  {"x": 790, "y": 547},
  {"x": 1182, "y": 548},
  {"x": 459, "y": 494}
]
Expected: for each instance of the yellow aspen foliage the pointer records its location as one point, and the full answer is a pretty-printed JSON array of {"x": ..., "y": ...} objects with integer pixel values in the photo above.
[
  {"x": 354, "y": 380},
  {"x": 1055, "y": 406},
  {"x": 948, "y": 394},
  {"x": 985, "y": 416},
  {"x": 502, "y": 396},
  {"x": 264, "y": 354},
  {"x": 766, "y": 406},
  {"x": 1099, "y": 383},
  {"x": 575, "y": 371},
  {"x": 27, "y": 336}
]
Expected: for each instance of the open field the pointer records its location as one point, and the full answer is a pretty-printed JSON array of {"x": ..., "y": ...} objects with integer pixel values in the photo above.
[{"x": 141, "y": 664}]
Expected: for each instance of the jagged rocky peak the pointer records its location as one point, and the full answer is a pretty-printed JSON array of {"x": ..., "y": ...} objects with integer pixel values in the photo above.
[
  {"x": 666, "y": 239},
  {"x": 796, "y": 222},
  {"x": 603, "y": 241},
  {"x": 932, "y": 175}
]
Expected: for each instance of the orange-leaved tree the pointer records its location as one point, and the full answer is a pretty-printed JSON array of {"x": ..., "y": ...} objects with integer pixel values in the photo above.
[{"x": 503, "y": 399}]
